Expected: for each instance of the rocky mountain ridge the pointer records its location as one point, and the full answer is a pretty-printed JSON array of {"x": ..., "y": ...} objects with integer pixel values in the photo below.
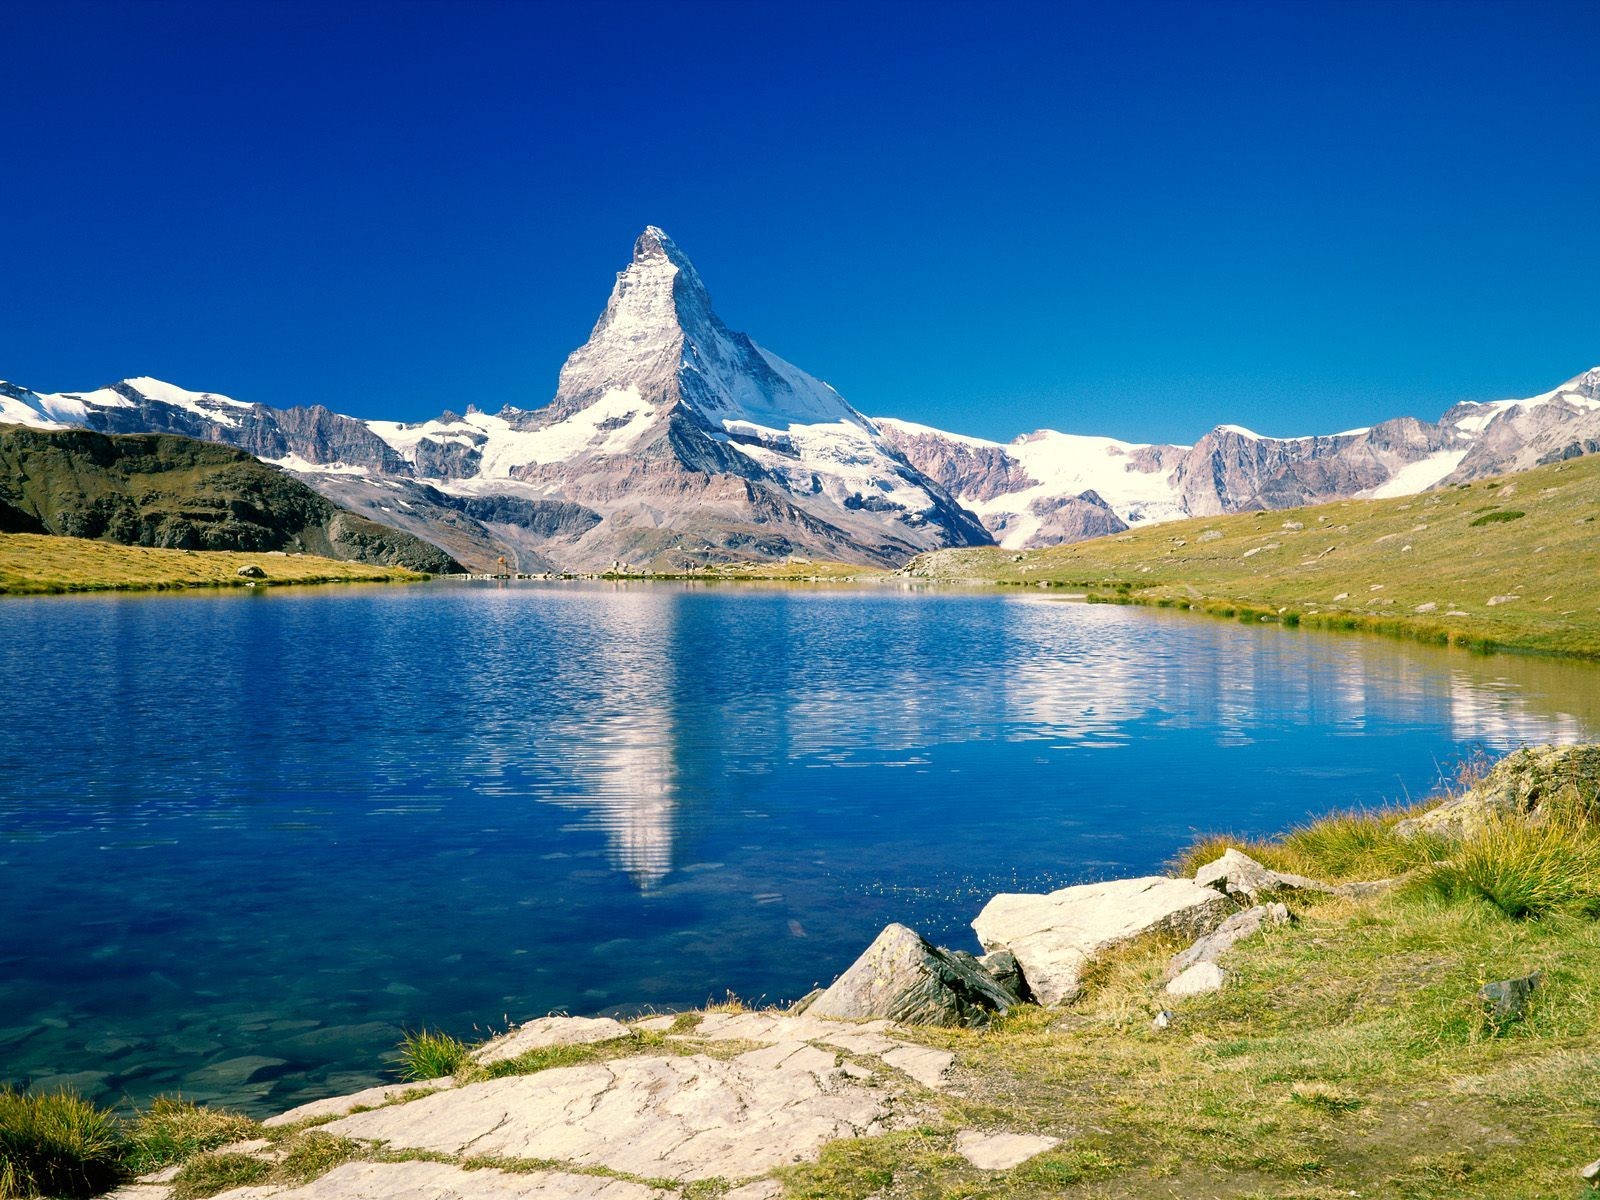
[
  {"x": 673, "y": 441},
  {"x": 179, "y": 493}
]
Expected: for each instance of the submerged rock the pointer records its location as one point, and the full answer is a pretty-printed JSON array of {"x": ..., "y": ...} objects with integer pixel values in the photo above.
[
  {"x": 904, "y": 977},
  {"x": 1526, "y": 782},
  {"x": 1055, "y": 937}
]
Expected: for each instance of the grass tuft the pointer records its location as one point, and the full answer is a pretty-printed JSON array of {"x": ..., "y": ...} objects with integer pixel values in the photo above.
[
  {"x": 56, "y": 1144},
  {"x": 429, "y": 1054},
  {"x": 1524, "y": 869},
  {"x": 210, "y": 1173},
  {"x": 173, "y": 1129}
]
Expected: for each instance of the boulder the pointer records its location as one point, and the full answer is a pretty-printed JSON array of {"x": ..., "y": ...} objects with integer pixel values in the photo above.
[
  {"x": 1591, "y": 1172},
  {"x": 1003, "y": 965},
  {"x": 250, "y": 571},
  {"x": 1197, "y": 980},
  {"x": 1237, "y": 874},
  {"x": 1054, "y": 937},
  {"x": 1232, "y": 931},
  {"x": 550, "y": 1031},
  {"x": 1524, "y": 783},
  {"x": 1507, "y": 999},
  {"x": 904, "y": 977}
]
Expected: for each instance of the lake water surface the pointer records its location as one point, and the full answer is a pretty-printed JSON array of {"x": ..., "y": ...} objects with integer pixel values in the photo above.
[{"x": 247, "y": 839}]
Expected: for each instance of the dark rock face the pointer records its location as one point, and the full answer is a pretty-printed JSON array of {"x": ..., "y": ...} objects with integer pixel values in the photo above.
[
  {"x": 162, "y": 490},
  {"x": 904, "y": 977}
]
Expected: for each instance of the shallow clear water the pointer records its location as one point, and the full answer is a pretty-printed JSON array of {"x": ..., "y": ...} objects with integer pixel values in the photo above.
[{"x": 291, "y": 824}]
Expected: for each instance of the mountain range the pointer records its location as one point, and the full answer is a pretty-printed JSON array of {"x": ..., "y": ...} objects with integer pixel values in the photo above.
[{"x": 673, "y": 441}]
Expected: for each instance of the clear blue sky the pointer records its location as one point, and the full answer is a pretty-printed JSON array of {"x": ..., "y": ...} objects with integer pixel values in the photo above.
[{"x": 1122, "y": 218}]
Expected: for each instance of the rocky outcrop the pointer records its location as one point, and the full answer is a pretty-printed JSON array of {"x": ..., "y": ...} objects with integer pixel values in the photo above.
[
  {"x": 1533, "y": 782},
  {"x": 1055, "y": 936},
  {"x": 1236, "y": 874},
  {"x": 903, "y": 977}
]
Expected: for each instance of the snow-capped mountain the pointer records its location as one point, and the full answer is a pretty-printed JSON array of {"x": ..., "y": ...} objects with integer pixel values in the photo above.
[
  {"x": 671, "y": 441},
  {"x": 1047, "y": 487},
  {"x": 674, "y": 441}
]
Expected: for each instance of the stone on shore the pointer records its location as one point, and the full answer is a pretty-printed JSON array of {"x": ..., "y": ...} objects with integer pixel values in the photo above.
[
  {"x": 1523, "y": 783},
  {"x": 904, "y": 977},
  {"x": 1232, "y": 931},
  {"x": 550, "y": 1031},
  {"x": 1001, "y": 1151},
  {"x": 1054, "y": 937},
  {"x": 678, "y": 1118},
  {"x": 1239, "y": 875}
]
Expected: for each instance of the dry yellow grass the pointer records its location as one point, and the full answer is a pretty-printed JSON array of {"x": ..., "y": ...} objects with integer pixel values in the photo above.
[{"x": 37, "y": 563}]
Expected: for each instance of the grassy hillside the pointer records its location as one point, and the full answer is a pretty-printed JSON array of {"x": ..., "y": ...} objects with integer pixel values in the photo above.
[
  {"x": 1507, "y": 563},
  {"x": 164, "y": 491},
  {"x": 34, "y": 563}
]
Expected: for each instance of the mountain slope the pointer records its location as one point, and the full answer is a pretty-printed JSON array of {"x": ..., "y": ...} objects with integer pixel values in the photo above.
[
  {"x": 674, "y": 441},
  {"x": 1015, "y": 487},
  {"x": 164, "y": 491},
  {"x": 1508, "y": 561},
  {"x": 671, "y": 441}
]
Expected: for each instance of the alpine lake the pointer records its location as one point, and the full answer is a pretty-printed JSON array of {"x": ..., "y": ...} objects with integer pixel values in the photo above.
[{"x": 248, "y": 840}]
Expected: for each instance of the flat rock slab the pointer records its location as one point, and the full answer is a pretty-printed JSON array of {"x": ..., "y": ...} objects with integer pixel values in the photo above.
[
  {"x": 440, "y": 1181},
  {"x": 662, "y": 1118},
  {"x": 868, "y": 1039},
  {"x": 550, "y": 1031},
  {"x": 1056, "y": 936},
  {"x": 1230, "y": 933},
  {"x": 338, "y": 1106},
  {"x": 1001, "y": 1151}
]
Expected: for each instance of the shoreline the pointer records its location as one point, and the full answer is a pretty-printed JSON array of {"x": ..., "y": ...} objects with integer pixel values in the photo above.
[{"x": 1234, "y": 1024}]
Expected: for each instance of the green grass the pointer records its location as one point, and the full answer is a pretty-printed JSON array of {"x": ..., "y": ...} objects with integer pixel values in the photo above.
[
  {"x": 35, "y": 564},
  {"x": 210, "y": 1173},
  {"x": 1523, "y": 869},
  {"x": 1423, "y": 566},
  {"x": 430, "y": 1055},
  {"x": 173, "y": 1129},
  {"x": 56, "y": 1144}
]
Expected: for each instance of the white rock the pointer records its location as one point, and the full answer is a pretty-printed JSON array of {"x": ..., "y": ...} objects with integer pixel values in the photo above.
[
  {"x": 550, "y": 1031},
  {"x": 338, "y": 1106},
  {"x": 1056, "y": 936},
  {"x": 657, "y": 1024},
  {"x": 1232, "y": 931},
  {"x": 1199, "y": 979},
  {"x": 684, "y": 1118},
  {"x": 1237, "y": 874},
  {"x": 436, "y": 1181},
  {"x": 1001, "y": 1151}
]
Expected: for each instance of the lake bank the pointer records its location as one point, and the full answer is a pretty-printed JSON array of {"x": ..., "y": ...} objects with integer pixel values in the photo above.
[
  {"x": 1499, "y": 564},
  {"x": 43, "y": 564}
]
